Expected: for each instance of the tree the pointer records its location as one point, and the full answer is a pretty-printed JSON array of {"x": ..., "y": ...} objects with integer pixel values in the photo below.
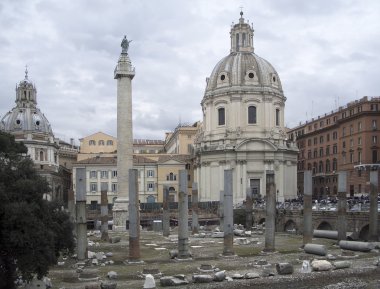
[{"x": 33, "y": 231}]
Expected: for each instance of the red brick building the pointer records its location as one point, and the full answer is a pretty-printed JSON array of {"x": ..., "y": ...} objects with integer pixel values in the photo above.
[{"x": 337, "y": 141}]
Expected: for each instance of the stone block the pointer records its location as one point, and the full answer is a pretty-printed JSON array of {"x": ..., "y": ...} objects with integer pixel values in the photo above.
[
  {"x": 112, "y": 275},
  {"x": 284, "y": 268},
  {"x": 197, "y": 278},
  {"x": 321, "y": 265},
  {"x": 219, "y": 276},
  {"x": 172, "y": 281},
  {"x": 341, "y": 264},
  {"x": 149, "y": 283},
  {"x": 251, "y": 275}
]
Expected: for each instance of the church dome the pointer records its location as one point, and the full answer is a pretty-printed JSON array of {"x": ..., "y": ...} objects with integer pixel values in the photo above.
[
  {"x": 247, "y": 70},
  {"x": 26, "y": 116},
  {"x": 242, "y": 69}
]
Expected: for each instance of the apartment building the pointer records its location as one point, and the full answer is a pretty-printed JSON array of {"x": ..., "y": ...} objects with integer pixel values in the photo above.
[{"x": 338, "y": 141}]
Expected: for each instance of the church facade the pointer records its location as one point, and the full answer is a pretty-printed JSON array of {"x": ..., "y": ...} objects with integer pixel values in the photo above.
[{"x": 243, "y": 125}]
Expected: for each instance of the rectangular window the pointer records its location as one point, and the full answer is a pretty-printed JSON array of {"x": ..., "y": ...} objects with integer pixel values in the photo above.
[
  {"x": 344, "y": 131},
  {"x": 359, "y": 140},
  {"x": 309, "y": 154},
  {"x": 351, "y": 129},
  {"x": 114, "y": 187},
  {"x": 359, "y": 156},
  {"x": 150, "y": 186},
  {"x": 309, "y": 142},
  {"x": 315, "y": 140},
  {"x": 93, "y": 187},
  {"x": 93, "y": 174},
  {"x": 351, "y": 143},
  {"x": 335, "y": 135},
  {"x": 327, "y": 150},
  {"x": 321, "y": 152},
  {"x": 221, "y": 116},
  {"x": 359, "y": 126},
  {"x": 91, "y": 142},
  {"x": 328, "y": 137},
  {"x": 114, "y": 174},
  {"x": 351, "y": 158},
  {"x": 315, "y": 153},
  {"x": 374, "y": 156},
  {"x": 104, "y": 174},
  {"x": 374, "y": 139},
  {"x": 344, "y": 144},
  {"x": 335, "y": 149},
  {"x": 150, "y": 173},
  {"x": 374, "y": 124},
  {"x": 189, "y": 148},
  {"x": 277, "y": 117},
  {"x": 252, "y": 114},
  {"x": 321, "y": 139}
]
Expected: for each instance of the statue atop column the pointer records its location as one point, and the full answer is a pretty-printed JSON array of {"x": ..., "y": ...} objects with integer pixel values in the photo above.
[{"x": 125, "y": 45}]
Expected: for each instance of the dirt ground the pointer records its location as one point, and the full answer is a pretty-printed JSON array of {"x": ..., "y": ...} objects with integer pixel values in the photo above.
[{"x": 155, "y": 249}]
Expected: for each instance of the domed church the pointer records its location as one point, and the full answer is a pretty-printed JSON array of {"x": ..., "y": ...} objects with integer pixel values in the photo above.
[
  {"x": 243, "y": 125},
  {"x": 29, "y": 125}
]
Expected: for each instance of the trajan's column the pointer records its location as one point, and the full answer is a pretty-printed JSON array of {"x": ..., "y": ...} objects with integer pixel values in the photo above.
[{"x": 124, "y": 73}]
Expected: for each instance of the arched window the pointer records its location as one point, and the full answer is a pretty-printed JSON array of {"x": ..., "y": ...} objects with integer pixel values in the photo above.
[
  {"x": 41, "y": 155},
  {"x": 101, "y": 142},
  {"x": 109, "y": 142},
  {"x": 221, "y": 116},
  {"x": 277, "y": 117},
  {"x": 252, "y": 114}
]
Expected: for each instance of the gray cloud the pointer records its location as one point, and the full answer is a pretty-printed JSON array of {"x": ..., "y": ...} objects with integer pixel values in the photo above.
[{"x": 324, "y": 51}]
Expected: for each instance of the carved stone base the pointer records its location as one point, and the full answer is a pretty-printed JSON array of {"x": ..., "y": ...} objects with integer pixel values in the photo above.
[{"x": 120, "y": 214}]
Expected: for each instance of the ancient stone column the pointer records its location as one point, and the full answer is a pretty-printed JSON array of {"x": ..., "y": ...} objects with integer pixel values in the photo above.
[
  {"x": 124, "y": 73},
  {"x": 373, "y": 234},
  {"x": 134, "y": 217},
  {"x": 194, "y": 204},
  {"x": 248, "y": 209},
  {"x": 71, "y": 209},
  {"x": 80, "y": 189},
  {"x": 228, "y": 248},
  {"x": 307, "y": 207},
  {"x": 183, "y": 217},
  {"x": 342, "y": 205},
  {"x": 165, "y": 213},
  {"x": 221, "y": 210},
  {"x": 104, "y": 211},
  {"x": 270, "y": 219}
]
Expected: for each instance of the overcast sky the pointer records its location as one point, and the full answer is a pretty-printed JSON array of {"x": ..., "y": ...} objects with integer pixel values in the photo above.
[{"x": 326, "y": 53}]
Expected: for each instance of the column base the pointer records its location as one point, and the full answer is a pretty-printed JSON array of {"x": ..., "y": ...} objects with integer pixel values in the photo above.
[{"x": 120, "y": 215}]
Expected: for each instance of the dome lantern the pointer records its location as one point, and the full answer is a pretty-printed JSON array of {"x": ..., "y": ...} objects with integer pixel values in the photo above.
[
  {"x": 26, "y": 93},
  {"x": 241, "y": 36}
]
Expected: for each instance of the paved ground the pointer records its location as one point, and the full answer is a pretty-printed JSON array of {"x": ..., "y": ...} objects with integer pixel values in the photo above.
[{"x": 155, "y": 254}]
